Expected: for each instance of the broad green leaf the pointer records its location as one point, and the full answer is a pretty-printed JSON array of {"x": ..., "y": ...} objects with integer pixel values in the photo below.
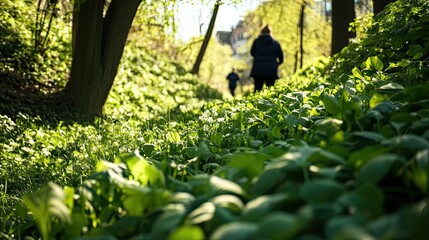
[
  {"x": 137, "y": 199},
  {"x": 267, "y": 181},
  {"x": 321, "y": 191},
  {"x": 415, "y": 51},
  {"x": 375, "y": 63},
  {"x": 331, "y": 104},
  {"x": 353, "y": 233},
  {"x": 236, "y": 231},
  {"x": 166, "y": 223},
  {"x": 275, "y": 132},
  {"x": 217, "y": 139},
  {"x": 391, "y": 86},
  {"x": 222, "y": 216},
  {"x": 376, "y": 137},
  {"x": 408, "y": 142},
  {"x": 125, "y": 225},
  {"x": 252, "y": 162},
  {"x": 377, "y": 98},
  {"x": 339, "y": 223},
  {"x": 173, "y": 136},
  {"x": 375, "y": 170},
  {"x": 228, "y": 201},
  {"x": 382, "y": 107},
  {"x": 203, "y": 213},
  {"x": 357, "y": 73},
  {"x": 420, "y": 125},
  {"x": 324, "y": 157},
  {"x": 187, "y": 232},
  {"x": 46, "y": 202},
  {"x": 219, "y": 185},
  {"x": 143, "y": 171},
  {"x": 361, "y": 157},
  {"x": 328, "y": 126},
  {"x": 366, "y": 201},
  {"x": 260, "y": 206},
  {"x": 278, "y": 225}
]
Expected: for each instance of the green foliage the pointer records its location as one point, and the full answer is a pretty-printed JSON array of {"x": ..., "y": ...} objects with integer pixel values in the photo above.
[
  {"x": 18, "y": 53},
  {"x": 320, "y": 156}
]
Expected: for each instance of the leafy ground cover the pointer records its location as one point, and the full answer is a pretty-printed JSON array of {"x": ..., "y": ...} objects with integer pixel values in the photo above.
[{"x": 340, "y": 151}]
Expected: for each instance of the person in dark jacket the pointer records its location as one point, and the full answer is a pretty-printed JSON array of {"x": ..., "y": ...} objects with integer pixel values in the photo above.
[
  {"x": 233, "y": 78},
  {"x": 267, "y": 56}
]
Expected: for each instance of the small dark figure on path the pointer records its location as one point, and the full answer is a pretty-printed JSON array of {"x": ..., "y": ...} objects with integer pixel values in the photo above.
[
  {"x": 233, "y": 78},
  {"x": 267, "y": 56}
]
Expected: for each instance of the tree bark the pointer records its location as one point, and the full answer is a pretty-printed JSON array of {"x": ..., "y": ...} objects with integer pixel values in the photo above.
[
  {"x": 196, "y": 67},
  {"x": 343, "y": 13},
  {"x": 301, "y": 35},
  {"x": 379, "y": 5},
  {"x": 98, "y": 44}
]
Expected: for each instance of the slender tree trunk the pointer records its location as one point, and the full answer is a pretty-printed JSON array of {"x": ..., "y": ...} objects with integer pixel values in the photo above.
[
  {"x": 196, "y": 67},
  {"x": 301, "y": 35},
  {"x": 343, "y": 13},
  {"x": 98, "y": 44},
  {"x": 379, "y": 5}
]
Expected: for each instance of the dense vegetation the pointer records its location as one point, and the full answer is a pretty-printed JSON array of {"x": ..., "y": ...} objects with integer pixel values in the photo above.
[{"x": 338, "y": 151}]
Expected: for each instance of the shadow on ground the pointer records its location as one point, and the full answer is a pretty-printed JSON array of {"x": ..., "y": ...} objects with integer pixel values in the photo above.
[{"x": 23, "y": 96}]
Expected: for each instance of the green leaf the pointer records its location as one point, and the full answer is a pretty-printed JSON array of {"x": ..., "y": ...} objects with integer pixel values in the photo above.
[
  {"x": 366, "y": 201},
  {"x": 217, "y": 139},
  {"x": 251, "y": 162},
  {"x": 46, "y": 202},
  {"x": 321, "y": 191},
  {"x": 376, "y": 137},
  {"x": 203, "y": 213},
  {"x": 339, "y": 223},
  {"x": 268, "y": 180},
  {"x": 219, "y": 185},
  {"x": 357, "y": 73},
  {"x": 375, "y": 63},
  {"x": 377, "y": 98},
  {"x": 260, "y": 206},
  {"x": 142, "y": 170},
  {"x": 375, "y": 170},
  {"x": 228, "y": 201},
  {"x": 415, "y": 51},
  {"x": 166, "y": 223},
  {"x": 331, "y": 104},
  {"x": 137, "y": 199},
  {"x": 275, "y": 131},
  {"x": 408, "y": 142},
  {"x": 278, "y": 225},
  {"x": 236, "y": 231},
  {"x": 187, "y": 232}
]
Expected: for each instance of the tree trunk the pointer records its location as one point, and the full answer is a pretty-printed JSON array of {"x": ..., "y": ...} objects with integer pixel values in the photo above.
[
  {"x": 343, "y": 13},
  {"x": 196, "y": 67},
  {"x": 301, "y": 35},
  {"x": 379, "y": 5},
  {"x": 98, "y": 44}
]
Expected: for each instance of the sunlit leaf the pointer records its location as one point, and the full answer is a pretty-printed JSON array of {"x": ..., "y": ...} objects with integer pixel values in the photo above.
[
  {"x": 260, "y": 206},
  {"x": 236, "y": 231},
  {"x": 278, "y": 225},
  {"x": 331, "y": 104},
  {"x": 166, "y": 223},
  {"x": 219, "y": 185},
  {"x": 375, "y": 170},
  {"x": 187, "y": 232}
]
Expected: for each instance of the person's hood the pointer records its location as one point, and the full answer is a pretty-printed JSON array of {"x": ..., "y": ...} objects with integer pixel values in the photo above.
[{"x": 266, "y": 39}]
